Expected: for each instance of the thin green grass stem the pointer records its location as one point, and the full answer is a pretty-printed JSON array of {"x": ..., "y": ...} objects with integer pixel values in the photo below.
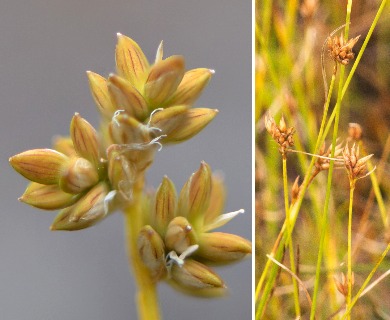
[
  {"x": 364, "y": 45},
  {"x": 349, "y": 274},
  {"x": 324, "y": 220},
  {"x": 289, "y": 240},
  {"x": 269, "y": 62},
  {"x": 378, "y": 194},
  {"x": 265, "y": 20},
  {"x": 330, "y": 173},
  {"x": 292, "y": 9},
  {"x": 271, "y": 270},
  {"x": 356, "y": 63},
  {"x": 259, "y": 285}
]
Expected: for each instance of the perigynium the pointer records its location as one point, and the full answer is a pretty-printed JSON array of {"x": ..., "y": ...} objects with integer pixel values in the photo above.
[{"x": 93, "y": 173}]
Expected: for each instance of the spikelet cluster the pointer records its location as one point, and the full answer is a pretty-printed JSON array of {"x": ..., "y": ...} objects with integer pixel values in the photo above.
[
  {"x": 340, "y": 50},
  {"x": 142, "y": 106},
  {"x": 323, "y": 162},
  {"x": 356, "y": 166},
  {"x": 90, "y": 174},
  {"x": 177, "y": 244},
  {"x": 280, "y": 133}
]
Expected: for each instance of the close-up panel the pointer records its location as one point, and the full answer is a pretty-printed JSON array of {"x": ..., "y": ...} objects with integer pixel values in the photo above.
[
  {"x": 322, "y": 172},
  {"x": 125, "y": 136}
]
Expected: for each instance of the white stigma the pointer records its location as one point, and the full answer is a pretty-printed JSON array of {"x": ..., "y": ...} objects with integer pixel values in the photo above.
[{"x": 172, "y": 257}]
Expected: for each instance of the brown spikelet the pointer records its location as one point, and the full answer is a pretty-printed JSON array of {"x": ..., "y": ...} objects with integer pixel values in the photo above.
[
  {"x": 280, "y": 133},
  {"x": 340, "y": 50}
]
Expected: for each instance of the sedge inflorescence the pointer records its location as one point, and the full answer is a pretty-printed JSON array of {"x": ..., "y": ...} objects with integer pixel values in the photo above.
[
  {"x": 340, "y": 50},
  {"x": 90, "y": 174},
  {"x": 348, "y": 157},
  {"x": 177, "y": 243}
]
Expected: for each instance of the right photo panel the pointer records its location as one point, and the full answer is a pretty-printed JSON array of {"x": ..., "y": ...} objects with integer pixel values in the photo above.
[{"x": 322, "y": 172}]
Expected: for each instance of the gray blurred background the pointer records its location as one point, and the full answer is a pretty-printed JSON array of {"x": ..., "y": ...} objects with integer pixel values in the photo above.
[{"x": 45, "y": 49}]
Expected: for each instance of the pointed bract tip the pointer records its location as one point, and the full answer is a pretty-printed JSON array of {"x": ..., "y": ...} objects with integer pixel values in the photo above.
[
  {"x": 212, "y": 71},
  {"x": 118, "y": 34},
  {"x": 52, "y": 228}
]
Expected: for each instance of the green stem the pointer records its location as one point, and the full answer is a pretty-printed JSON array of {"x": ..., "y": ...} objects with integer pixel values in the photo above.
[
  {"x": 285, "y": 190},
  {"x": 259, "y": 285},
  {"x": 336, "y": 112},
  {"x": 356, "y": 63},
  {"x": 324, "y": 220},
  {"x": 283, "y": 236},
  {"x": 291, "y": 16},
  {"x": 359, "y": 56},
  {"x": 147, "y": 301},
  {"x": 378, "y": 195},
  {"x": 376, "y": 188},
  {"x": 349, "y": 274},
  {"x": 289, "y": 240}
]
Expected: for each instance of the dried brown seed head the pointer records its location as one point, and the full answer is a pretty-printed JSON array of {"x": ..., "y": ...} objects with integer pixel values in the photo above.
[
  {"x": 281, "y": 134},
  {"x": 322, "y": 163},
  {"x": 340, "y": 50},
  {"x": 356, "y": 167}
]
